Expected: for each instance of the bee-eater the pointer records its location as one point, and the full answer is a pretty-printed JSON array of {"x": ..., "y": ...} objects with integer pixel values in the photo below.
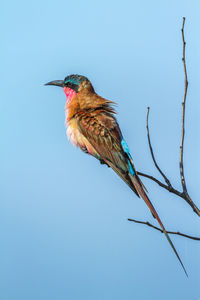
[{"x": 92, "y": 126}]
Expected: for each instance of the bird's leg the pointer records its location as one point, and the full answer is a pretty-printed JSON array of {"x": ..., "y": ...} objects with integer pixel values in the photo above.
[{"x": 102, "y": 162}]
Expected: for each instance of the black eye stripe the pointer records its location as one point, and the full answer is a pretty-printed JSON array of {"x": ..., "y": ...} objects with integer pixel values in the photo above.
[{"x": 71, "y": 85}]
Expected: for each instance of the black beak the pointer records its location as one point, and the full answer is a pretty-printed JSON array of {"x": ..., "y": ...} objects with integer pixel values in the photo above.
[{"x": 56, "y": 82}]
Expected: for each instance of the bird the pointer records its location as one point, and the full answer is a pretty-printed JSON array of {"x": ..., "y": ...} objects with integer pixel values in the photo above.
[{"x": 92, "y": 126}]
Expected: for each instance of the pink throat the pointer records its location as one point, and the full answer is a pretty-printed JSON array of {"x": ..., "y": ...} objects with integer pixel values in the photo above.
[{"x": 69, "y": 94}]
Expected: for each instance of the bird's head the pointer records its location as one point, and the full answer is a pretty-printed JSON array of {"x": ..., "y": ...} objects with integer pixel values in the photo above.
[{"x": 72, "y": 84}]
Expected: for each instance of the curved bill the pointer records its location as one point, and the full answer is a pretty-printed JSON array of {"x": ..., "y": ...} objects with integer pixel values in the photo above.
[{"x": 56, "y": 83}]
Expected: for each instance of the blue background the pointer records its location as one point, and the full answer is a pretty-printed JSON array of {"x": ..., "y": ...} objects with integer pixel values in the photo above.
[{"x": 63, "y": 217}]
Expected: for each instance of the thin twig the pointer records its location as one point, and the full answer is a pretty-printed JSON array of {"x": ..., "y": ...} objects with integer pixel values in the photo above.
[
  {"x": 152, "y": 154},
  {"x": 183, "y": 113},
  {"x": 167, "y": 187},
  {"x": 171, "y": 189},
  {"x": 170, "y": 232}
]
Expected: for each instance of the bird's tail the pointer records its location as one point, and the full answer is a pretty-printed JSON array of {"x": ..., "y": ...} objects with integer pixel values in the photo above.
[{"x": 141, "y": 192}]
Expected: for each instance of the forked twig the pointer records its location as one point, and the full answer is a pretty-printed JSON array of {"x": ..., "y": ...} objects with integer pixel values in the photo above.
[
  {"x": 168, "y": 186},
  {"x": 169, "y": 232}
]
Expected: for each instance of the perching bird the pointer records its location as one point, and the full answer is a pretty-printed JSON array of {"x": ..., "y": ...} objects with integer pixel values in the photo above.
[{"x": 92, "y": 126}]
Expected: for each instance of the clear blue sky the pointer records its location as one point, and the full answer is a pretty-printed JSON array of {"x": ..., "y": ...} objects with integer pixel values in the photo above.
[{"x": 63, "y": 217}]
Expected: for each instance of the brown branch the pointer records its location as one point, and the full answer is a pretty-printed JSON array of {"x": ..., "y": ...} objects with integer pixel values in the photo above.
[
  {"x": 167, "y": 187},
  {"x": 171, "y": 189},
  {"x": 184, "y": 194},
  {"x": 183, "y": 113},
  {"x": 169, "y": 232}
]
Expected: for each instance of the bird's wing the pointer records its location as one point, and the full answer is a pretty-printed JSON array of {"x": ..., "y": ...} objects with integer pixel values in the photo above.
[{"x": 103, "y": 133}]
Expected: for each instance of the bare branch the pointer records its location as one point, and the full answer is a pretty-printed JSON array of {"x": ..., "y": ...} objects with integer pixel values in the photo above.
[
  {"x": 168, "y": 186},
  {"x": 183, "y": 113},
  {"x": 152, "y": 154},
  {"x": 171, "y": 189},
  {"x": 169, "y": 232}
]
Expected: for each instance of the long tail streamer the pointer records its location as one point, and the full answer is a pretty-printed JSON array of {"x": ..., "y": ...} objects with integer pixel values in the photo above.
[{"x": 142, "y": 193}]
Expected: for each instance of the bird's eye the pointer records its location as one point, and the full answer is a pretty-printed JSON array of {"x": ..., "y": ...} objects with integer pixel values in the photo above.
[{"x": 68, "y": 83}]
